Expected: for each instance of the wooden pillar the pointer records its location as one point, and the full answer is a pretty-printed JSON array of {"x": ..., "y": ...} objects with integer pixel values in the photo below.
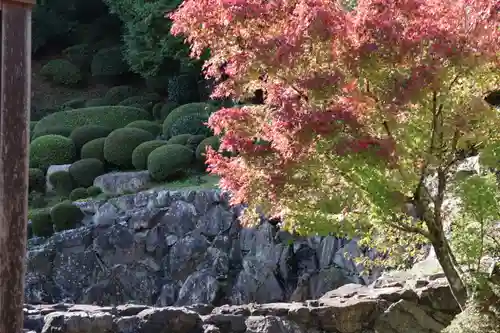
[{"x": 15, "y": 95}]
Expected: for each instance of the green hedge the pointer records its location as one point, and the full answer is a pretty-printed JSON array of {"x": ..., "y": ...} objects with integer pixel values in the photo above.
[
  {"x": 94, "y": 149},
  {"x": 179, "y": 139},
  {"x": 183, "y": 89},
  {"x": 146, "y": 125},
  {"x": 120, "y": 144},
  {"x": 108, "y": 62},
  {"x": 78, "y": 193},
  {"x": 191, "y": 124},
  {"x": 94, "y": 102},
  {"x": 83, "y": 172},
  {"x": 80, "y": 55},
  {"x": 66, "y": 215},
  {"x": 119, "y": 93},
  {"x": 194, "y": 140},
  {"x": 212, "y": 141},
  {"x": 112, "y": 117},
  {"x": 74, "y": 103},
  {"x": 84, "y": 134},
  {"x": 62, "y": 72},
  {"x": 41, "y": 222},
  {"x": 36, "y": 180},
  {"x": 142, "y": 151},
  {"x": 167, "y": 161},
  {"x": 163, "y": 110},
  {"x": 62, "y": 182},
  {"x": 56, "y": 130},
  {"x": 51, "y": 150},
  {"x": 203, "y": 109},
  {"x": 93, "y": 191}
]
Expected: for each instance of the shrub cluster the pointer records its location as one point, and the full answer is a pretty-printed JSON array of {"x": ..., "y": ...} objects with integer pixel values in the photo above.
[
  {"x": 142, "y": 151},
  {"x": 202, "y": 109},
  {"x": 119, "y": 93},
  {"x": 108, "y": 62},
  {"x": 66, "y": 215},
  {"x": 169, "y": 160},
  {"x": 50, "y": 150},
  {"x": 212, "y": 141},
  {"x": 62, "y": 72},
  {"x": 146, "y": 125},
  {"x": 41, "y": 222},
  {"x": 120, "y": 144},
  {"x": 83, "y": 172},
  {"x": 82, "y": 135},
  {"x": 36, "y": 180},
  {"x": 62, "y": 182},
  {"x": 94, "y": 149}
]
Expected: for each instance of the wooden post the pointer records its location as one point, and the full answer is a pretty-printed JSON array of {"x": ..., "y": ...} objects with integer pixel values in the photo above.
[{"x": 15, "y": 95}]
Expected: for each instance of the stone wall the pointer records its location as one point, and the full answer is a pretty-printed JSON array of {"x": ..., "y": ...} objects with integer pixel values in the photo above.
[
  {"x": 389, "y": 306},
  {"x": 180, "y": 248}
]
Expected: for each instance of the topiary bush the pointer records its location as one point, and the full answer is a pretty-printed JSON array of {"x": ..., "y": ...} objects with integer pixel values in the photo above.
[
  {"x": 66, "y": 215},
  {"x": 94, "y": 149},
  {"x": 62, "y": 72},
  {"x": 93, "y": 191},
  {"x": 179, "y": 139},
  {"x": 112, "y": 117},
  {"x": 80, "y": 55},
  {"x": 163, "y": 112},
  {"x": 145, "y": 102},
  {"x": 41, "y": 222},
  {"x": 36, "y": 180},
  {"x": 193, "y": 141},
  {"x": 191, "y": 124},
  {"x": 62, "y": 182},
  {"x": 169, "y": 160},
  {"x": 120, "y": 144},
  {"x": 108, "y": 62},
  {"x": 82, "y": 135},
  {"x": 74, "y": 104},
  {"x": 96, "y": 102},
  {"x": 183, "y": 89},
  {"x": 56, "y": 130},
  {"x": 78, "y": 193},
  {"x": 142, "y": 151},
  {"x": 119, "y": 93},
  {"x": 51, "y": 150},
  {"x": 83, "y": 172},
  {"x": 203, "y": 109},
  {"x": 146, "y": 125},
  {"x": 212, "y": 141}
]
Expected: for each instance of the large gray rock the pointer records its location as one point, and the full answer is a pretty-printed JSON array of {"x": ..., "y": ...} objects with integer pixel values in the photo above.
[
  {"x": 352, "y": 308},
  {"x": 123, "y": 182}
]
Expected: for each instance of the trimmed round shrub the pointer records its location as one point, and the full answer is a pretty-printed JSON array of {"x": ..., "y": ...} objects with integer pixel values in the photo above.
[
  {"x": 50, "y": 150},
  {"x": 78, "y": 193},
  {"x": 120, "y": 144},
  {"x": 56, "y": 130},
  {"x": 194, "y": 140},
  {"x": 146, "y": 125},
  {"x": 85, "y": 171},
  {"x": 74, "y": 104},
  {"x": 41, "y": 222},
  {"x": 62, "y": 182},
  {"x": 179, "y": 139},
  {"x": 36, "y": 180},
  {"x": 94, "y": 102},
  {"x": 108, "y": 62},
  {"x": 94, "y": 149},
  {"x": 66, "y": 215},
  {"x": 183, "y": 89},
  {"x": 80, "y": 55},
  {"x": 191, "y": 124},
  {"x": 203, "y": 109},
  {"x": 142, "y": 151},
  {"x": 212, "y": 141},
  {"x": 62, "y": 72},
  {"x": 84, "y": 134},
  {"x": 93, "y": 191},
  {"x": 119, "y": 93},
  {"x": 112, "y": 117},
  {"x": 141, "y": 100},
  {"x": 163, "y": 112},
  {"x": 168, "y": 160}
]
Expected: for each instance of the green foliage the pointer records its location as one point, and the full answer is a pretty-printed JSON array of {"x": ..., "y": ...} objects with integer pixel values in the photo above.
[
  {"x": 36, "y": 180},
  {"x": 202, "y": 109},
  {"x": 94, "y": 149},
  {"x": 49, "y": 26},
  {"x": 112, "y": 117},
  {"x": 62, "y": 182},
  {"x": 119, "y": 93},
  {"x": 193, "y": 141},
  {"x": 108, "y": 63},
  {"x": 142, "y": 151},
  {"x": 38, "y": 113},
  {"x": 169, "y": 160},
  {"x": 183, "y": 89},
  {"x": 62, "y": 72},
  {"x": 181, "y": 139},
  {"x": 79, "y": 55},
  {"x": 146, "y": 125},
  {"x": 96, "y": 102},
  {"x": 86, "y": 170},
  {"x": 41, "y": 222},
  {"x": 145, "y": 102},
  {"x": 212, "y": 141},
  {"x": 50, "y": 150},
  {"x": 74, "y": 104},
  {"x": 120, "y": 144},
  {"x": 161, "y": 113},
  {"x": 93, "y": 191},
  {"x": 66, "y": 215},
  {"x": 36, "y": 200},
  {"x": 191, "y": 124},
  {"x": 82, "y": 135},
  {"x": 55, "y": 130},
  {"x": 78, "y": 193}
]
